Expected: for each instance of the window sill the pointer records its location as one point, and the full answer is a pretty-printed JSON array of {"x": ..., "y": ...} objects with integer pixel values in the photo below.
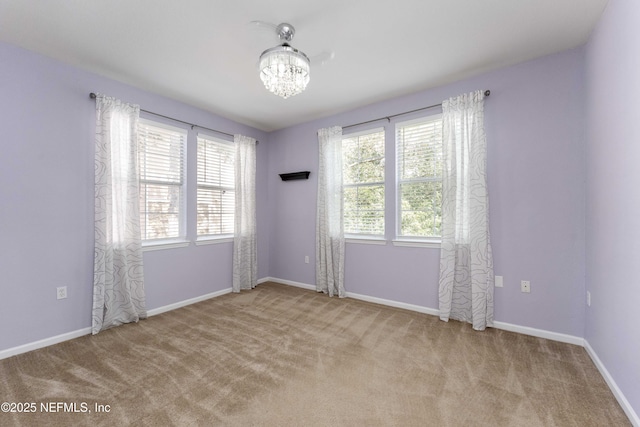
[
  {"x": 366, "y": 240},
  {"x": 167, "y": 244},
  {"x": 418, "y": 243},
  {"x": 213, "y": 240}
]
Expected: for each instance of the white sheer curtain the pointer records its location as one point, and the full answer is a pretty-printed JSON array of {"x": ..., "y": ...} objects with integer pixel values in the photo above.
[
  {"x": 466, "y": 263},
  {"x": 245, "y": 264},
  {"x": 329, "y": 223},
  {"x": 118, "y": 285}
]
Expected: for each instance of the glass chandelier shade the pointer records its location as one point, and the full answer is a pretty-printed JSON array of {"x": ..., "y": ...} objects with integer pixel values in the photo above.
[{"x": 284, "y": 70}]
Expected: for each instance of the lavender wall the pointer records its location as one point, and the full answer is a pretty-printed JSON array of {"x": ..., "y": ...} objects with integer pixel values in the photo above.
[
  {"x": 613, "y": 198},
  {"x": 536, "y": 184},
  {"x": 47, "y": 123},
  {"x": 533, "y": 121}
]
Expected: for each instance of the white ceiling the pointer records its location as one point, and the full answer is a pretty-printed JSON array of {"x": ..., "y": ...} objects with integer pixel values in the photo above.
[{"x": 205, "y": 52}]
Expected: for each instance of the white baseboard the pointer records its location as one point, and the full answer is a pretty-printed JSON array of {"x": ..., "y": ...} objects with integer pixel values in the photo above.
[
  {"x": 554, "y": 336},
  {"x": 397, "y": 304},
  {"x": 367, "y": 298},
  {"x": 264, "y": 279},
  {"x": 525, "y": 330},
  {"x": 86, "y": 331},
  {"x": 540, "y": 333},
  {"x": 288, "y": 282},
  {"x": 4, "y": 354},
  {"x": 622, "y": 400},
  {"x": 186, "y": 302}
]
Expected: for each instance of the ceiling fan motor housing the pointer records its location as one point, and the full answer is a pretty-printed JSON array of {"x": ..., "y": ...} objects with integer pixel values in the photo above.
[{"x": 285, "y": 31}]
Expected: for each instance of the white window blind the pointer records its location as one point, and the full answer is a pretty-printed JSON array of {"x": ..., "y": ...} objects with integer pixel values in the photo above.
[
  {"x": 419, "y": 177},
  {"x": 363, "y": 180},
  {"x": 216, "y": 183},
  {"x": 161, "y": 168}
]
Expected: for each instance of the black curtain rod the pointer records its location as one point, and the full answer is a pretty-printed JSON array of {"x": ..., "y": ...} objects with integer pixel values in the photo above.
[
  {"x": 93, "y": 96},
  {"x": 388, "y": 118}
]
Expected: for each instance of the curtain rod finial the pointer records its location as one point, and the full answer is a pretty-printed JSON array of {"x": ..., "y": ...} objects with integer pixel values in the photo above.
[
  {"x": 92, "y": 95},
  {"x": 487, "y": 92}
]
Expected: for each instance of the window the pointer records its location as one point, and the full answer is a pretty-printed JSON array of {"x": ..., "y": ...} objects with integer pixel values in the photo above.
[
  {"x": 161, "y": 168},
  {"x": 216, "y": 181},
  {"x": 363, "y": 179},
  {"x": 419, "y": 178}
]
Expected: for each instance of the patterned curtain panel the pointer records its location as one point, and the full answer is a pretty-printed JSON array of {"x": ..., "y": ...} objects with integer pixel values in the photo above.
[
  {"x": 118, "y": 286},
  {"x": 466, "y": 264},
  {"x": 245, "y": 264},
  {"x": 329, "y": 219}
]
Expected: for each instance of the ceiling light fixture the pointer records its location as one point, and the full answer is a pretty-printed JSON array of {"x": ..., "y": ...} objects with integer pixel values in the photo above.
[{"x": 283, "y": 69}]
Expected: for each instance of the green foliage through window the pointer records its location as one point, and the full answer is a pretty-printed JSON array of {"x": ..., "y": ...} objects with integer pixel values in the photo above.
[
  {"x": 363, "y": 177},
  {"x": 419, "y": 171}
]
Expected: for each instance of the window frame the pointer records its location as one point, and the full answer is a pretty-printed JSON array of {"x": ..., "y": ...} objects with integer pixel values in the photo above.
[
  {"x": 368, "y": 237},
  {"x": 205, "y": 239},
  {"x": 401, "y": 239},
  {"x": 181, "y": 239}
]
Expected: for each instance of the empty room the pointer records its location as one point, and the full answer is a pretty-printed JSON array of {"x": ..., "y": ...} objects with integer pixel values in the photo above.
[{"x": 338, "y": 213}]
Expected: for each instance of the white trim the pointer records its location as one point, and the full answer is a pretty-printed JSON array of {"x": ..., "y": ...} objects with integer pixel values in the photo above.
[
  {"x": 361, "y": 241},
  {"x": 161, "y": 246},
  {"x": 525, "y": 330},
  {"x": 417, "y": 243},
  {"x": 186, "y": 302},
  {"x": 622, "y": 400},
  {"x": 397, "y": 304},
  {"x": 43, "y": 343},
  {"x": 554, "y": 336},
  {"x": 86, "y": 331},
  {"x": 540, "y": 333},
  {"x": 425, "y": 119},
  {"x": 213, "y": 241},
  {"x": 288, "y": 282},
  {"x": 173, "y": 136}
]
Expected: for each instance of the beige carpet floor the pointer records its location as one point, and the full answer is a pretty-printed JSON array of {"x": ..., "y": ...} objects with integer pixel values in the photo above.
[{"x": 283, "y": 356}]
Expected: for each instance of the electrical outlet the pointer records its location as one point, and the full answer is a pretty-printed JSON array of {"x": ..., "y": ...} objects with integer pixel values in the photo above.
[
  {"x": 588, "y": 299},
  {"x": 525, "y": 286},
  {"x": 62, "y": 292},
  {"x": 306, "y": 259},
  {"x": 499, "y": 282}
]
